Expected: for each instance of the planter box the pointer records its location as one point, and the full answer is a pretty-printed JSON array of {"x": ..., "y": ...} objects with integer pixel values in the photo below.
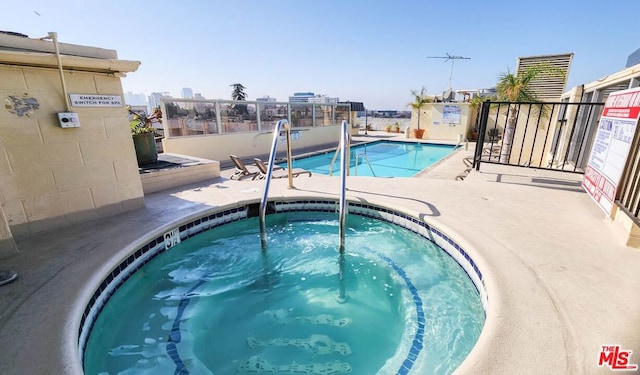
[
  {"x": 191, "y": 170},
  {"x": 145, "y": 145}
]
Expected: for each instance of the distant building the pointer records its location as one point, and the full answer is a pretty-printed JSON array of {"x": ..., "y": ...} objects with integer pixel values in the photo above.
[
  {"x": 154, "y": 99},
  {"x": 186, "y": 93},
  {"x": 132, "y": 98},
  {"x": 323, "y": 99},
  {"x": 548, "y": 87},
  {"x": 301, "y": 97},
  {"x": 266, "y": 99},
  {"x": 309, "y": 97},
  {"x": 633, "y": 59},
  {"x": 264, "y": 104},
  {"x": 389, "y": 113}
]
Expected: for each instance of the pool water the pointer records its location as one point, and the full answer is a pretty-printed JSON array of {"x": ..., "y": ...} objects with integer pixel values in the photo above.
[
  {"x": 218, "y": 304},
  {"x": 379, "y": 159}
]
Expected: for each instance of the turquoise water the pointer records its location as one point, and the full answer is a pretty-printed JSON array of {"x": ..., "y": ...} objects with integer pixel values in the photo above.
[
  {"x": 380, "y": 159},
  {"x": 217, "y": 304}
]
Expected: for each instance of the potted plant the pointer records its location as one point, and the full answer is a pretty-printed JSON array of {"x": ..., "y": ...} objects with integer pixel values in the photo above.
[
  {"x": 143, "y": 134},
  {"x": 388, "y": 128},
  {"x": 396, "y": 127},
  {"x": 474, "y": 133},
  {"x": 420, "y": 99}
]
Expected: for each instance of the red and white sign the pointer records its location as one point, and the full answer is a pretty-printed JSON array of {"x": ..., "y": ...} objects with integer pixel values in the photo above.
[
  {"x": 616, "y": 358},
  {"x": 610, "y": 150}
]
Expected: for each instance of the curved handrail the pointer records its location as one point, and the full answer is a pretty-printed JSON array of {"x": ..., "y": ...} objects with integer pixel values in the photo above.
[
  {"x": 267, "y": 183},
  {"x": 333, "y": 160},
  {"x": 366, "y": 159}
]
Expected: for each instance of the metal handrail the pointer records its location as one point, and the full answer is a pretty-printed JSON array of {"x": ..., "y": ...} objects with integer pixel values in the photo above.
[
  {"x": 344, "y": 147},
  {"x": 365, "y": 158},
  {"x": 460, "y": 140},
  {"x": 344, "y": 155},
  {"x": 267, "y": 183},
  {"x": 333, "y": 160}
]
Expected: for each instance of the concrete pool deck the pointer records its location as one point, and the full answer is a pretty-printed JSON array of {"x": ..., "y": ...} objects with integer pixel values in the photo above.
[{"x": 560, "y": 281}]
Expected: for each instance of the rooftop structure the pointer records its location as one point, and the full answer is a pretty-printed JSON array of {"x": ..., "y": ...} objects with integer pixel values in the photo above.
[
  {"x": 548, "y": 87},
  {"x": 633, "y": 59}
]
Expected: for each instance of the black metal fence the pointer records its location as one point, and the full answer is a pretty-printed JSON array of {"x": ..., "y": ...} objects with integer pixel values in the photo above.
[{"x": 554, "y": 136}]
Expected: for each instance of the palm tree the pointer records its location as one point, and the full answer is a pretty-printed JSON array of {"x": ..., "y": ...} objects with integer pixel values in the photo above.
[
  {"x": 420, "y": 99},
  {"x": 517, "y": 88}
]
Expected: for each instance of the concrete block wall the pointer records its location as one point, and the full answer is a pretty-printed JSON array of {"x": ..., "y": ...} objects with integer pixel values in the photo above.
[{"x": 52, "y": 176}]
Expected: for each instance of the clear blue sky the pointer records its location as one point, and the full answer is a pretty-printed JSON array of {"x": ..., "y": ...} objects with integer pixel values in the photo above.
[{"x": 372, "y": 51}]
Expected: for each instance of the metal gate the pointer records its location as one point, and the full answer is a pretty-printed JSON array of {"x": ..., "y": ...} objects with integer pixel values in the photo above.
[{"x": 550, "y": 135}]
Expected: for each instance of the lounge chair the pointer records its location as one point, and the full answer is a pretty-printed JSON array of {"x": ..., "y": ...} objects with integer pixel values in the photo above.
[
  {"x": 246, "y": 171},
  {"x": 464, "y": 174},
  {"x": 242, "y": 171},
  {"x": 278, "y": 173},
  {"x": 468, "y": 161},
  {"x": 492, "y": 151}
]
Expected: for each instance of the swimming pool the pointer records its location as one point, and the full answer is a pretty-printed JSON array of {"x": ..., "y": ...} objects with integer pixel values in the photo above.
[
  {"x": 424, "y": 315},
  {"x": 380, "y": 159}
]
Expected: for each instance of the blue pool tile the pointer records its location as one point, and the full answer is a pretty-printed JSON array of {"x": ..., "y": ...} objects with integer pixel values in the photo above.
[
  {"x": 417, "y": 345},
  {"x": 407, "y": 364}
]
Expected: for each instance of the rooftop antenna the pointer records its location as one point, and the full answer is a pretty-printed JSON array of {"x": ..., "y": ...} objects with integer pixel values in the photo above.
[{"x": 453, "y": 59}]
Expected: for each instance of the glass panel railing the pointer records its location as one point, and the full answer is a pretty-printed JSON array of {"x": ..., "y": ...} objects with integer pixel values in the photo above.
[
  {"x": 342, "y": 114},
  {"x": 301, "y": 115},
  {"x": 270, "y": 114},
  {"x": 237, "y": 117},
  {"x": 325, "y": 114},
  {"x": 194, "y": 117}
]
